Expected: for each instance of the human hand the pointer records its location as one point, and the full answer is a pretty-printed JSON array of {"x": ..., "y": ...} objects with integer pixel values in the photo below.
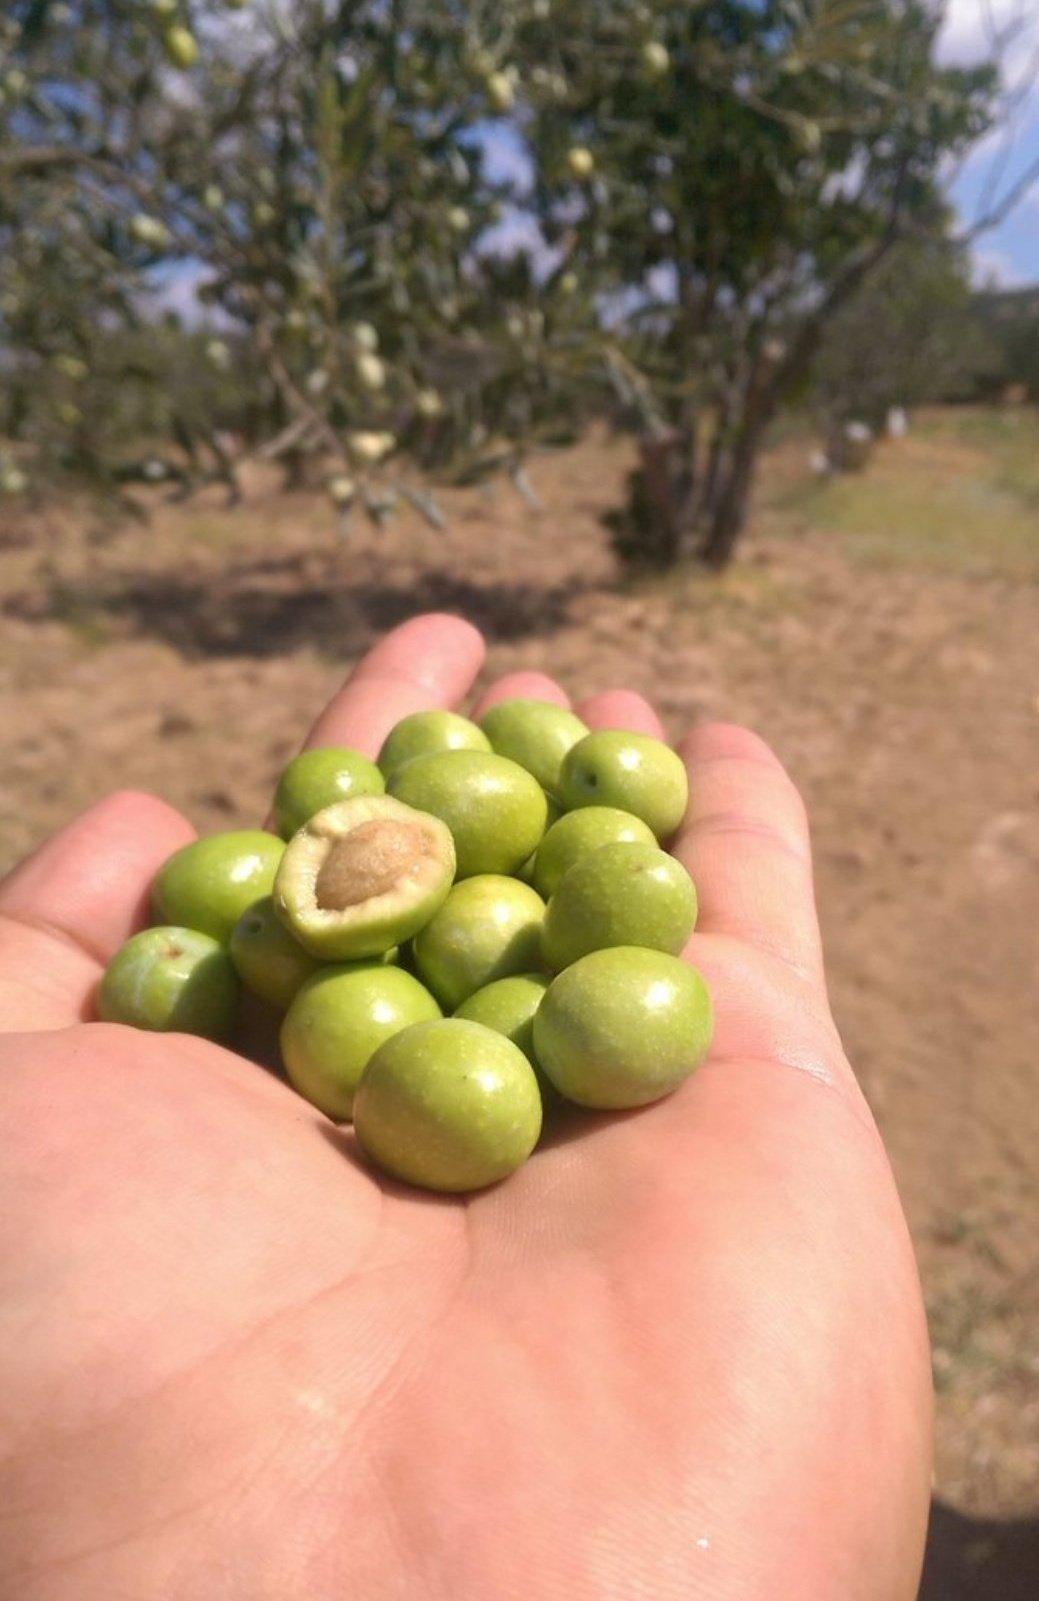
[{"x": 680, "y": 1354}]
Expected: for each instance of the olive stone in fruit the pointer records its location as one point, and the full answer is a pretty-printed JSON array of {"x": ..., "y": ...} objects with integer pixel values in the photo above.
[
  {"x": 363, "y": 875},
  {"x": 508, "y": 1006},
  {"x": 534, "y": 733},
  {"x": 267, "y": 959},
  {"x": 495, "y": 810},
  {"x": 622, "y": 1027},
  {"x": 489, "y": 927},
  {"x": 424, "y": 733},
  {"x": 630, "y": 771},
  {"x": 621, "y": 894},
  {"x": 449, "y": 1106},
  {"x": 338, "y": 1019},
  {"x": 209, "y": 884},
  {"x": 171, "y": 979},
  {"x": 319, "y": 778},
  {"x": 577, "y": 833}
]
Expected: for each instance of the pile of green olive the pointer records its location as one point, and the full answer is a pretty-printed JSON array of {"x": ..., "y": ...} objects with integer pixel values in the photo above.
[{"x": 477, "y": 925}]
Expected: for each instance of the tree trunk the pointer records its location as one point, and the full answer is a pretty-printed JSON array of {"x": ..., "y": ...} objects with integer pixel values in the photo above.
[{"x": 727, "y": 512}]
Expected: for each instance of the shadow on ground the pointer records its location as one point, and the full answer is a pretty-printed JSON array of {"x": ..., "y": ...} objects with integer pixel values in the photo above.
[
  {"x": 971, "y": 1559},
  {"x": 271, "y": 606}
]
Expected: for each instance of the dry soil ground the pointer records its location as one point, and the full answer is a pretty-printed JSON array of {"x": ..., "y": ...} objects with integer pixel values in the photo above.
[{"x": 881, "y": 635}]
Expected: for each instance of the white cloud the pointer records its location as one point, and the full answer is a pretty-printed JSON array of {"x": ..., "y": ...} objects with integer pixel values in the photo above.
[
  {"x": 993, "y": 269},
  {"x": 983, "y": 30}
]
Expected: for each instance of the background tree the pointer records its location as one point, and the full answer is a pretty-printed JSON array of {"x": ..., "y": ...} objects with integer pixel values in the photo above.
[
  {"x": 706, "y": 187},
  {"x": 723, "y": 177},
  {"x": 907, "y": 337}
]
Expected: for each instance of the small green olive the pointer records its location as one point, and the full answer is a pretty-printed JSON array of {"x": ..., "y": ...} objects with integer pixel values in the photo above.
[
  {"x": 535, "y": 733},
  {"x": 623, "y": 1027},
  {"x": 577, "y": 833},
  {"x": 171, "y": 979},
  {"x": 267, "y": 959},
  {"x": 424, "y": 733},
  {"x": 450, "y": 1106},
  {"x": 489, "y": 927},
  {"x": 363, "y": 875},
  {"x": 338, "y": 1019},
  {"x": 620, "y": 894},
  {"x": 209, "y": 884},
  {"x": 630, "y": 771},
  {"x": 495, "y": 810},
  {"x": 508, "y": 1006},
  {"x": 318, "y": 778}
]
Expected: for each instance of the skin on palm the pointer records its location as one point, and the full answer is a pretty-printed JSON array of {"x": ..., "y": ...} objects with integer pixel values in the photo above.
[{"x": 592, "y": 1380}]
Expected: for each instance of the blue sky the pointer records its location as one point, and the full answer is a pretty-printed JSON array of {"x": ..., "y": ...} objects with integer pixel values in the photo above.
[{"x": 1007, "y": 254}]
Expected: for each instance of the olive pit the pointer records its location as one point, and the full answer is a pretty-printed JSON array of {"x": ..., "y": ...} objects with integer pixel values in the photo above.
[{"x": 368, "y": 862}]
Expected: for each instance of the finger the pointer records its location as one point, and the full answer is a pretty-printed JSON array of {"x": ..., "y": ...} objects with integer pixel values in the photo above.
[
  {"x": 521, "y": 686},
  {"x": 429, "y": 661},
  {"x": 745, "y": 843},
  {"x": 621, "y": 708},
  {"x": 66, "y": 909}
]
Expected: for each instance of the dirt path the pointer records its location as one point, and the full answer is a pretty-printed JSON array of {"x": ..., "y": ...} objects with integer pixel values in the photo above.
[{"x": 187, "y": 657}]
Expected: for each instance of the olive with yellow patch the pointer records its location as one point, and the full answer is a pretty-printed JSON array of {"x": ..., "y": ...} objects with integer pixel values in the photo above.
[{"x": 362, "y": 876}]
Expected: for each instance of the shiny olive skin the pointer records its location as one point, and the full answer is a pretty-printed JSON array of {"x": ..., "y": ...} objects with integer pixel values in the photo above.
[
  {"x": 633, "y": 772},
  {"x": 208, "y": 884},
  {"x": 622, "y": 1027},
  {"x": 318, "y": 778},
  {"x": 496, "y": 811},
  {"x": 337, "y": 1021},
  {"x": 171, "y": 980},
  {"x": 450, "y": 1106}
]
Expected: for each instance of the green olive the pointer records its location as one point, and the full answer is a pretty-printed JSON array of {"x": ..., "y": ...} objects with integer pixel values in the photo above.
[
  {"x": 622, "y": 1027},
  {"x": 488, "y": 927},
  {"x": 338, "y": 1019},
  {"x": 171, "y": 979},
  {"x": 267, "y": 959},
  {"x": 633, "y": 772},
  {"x": 209, "y": 884},
  {"x": 450, "y": 1106},
  {"x": 318, "y": 778},
  {"x": 425, "y": 733},
  {"x": 495, "y": 810},
  {"x": 535, "y": 733},
  {"x": 508, "y": 1006},
  {"x": 621, "y": 894},
  {"x": 577, "y": 833}
]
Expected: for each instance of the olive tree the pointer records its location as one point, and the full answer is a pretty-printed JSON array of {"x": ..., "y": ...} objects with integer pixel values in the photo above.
[
  {"x": 310, "y": 169},
  {"x": 722, "y": 177}
]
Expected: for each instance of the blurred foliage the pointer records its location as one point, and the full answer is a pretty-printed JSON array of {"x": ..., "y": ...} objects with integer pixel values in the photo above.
[
  {"x": 908, "y": 337},
  {"x": 1007, "y": 320},
  {"x": 697, "y": 192}
]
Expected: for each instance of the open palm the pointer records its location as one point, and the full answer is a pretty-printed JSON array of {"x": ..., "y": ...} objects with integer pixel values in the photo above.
[{"x": 680, "y": 1354}]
